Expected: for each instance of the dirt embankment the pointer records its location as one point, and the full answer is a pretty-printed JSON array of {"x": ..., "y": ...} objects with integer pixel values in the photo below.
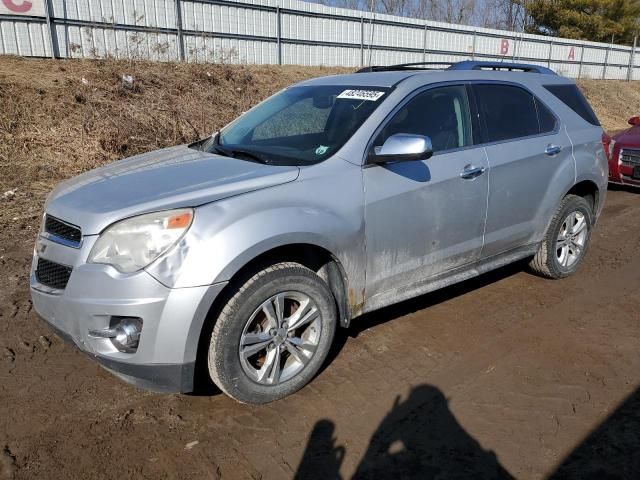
[{"x": 59, "y": 118}]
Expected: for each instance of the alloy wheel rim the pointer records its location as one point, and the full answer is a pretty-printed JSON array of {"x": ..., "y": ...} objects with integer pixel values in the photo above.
[
  {"x": 280, "y": 338},
  {"x": 571, "y": 239}
]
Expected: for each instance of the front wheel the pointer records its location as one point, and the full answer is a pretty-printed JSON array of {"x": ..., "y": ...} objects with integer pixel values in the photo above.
[
  {"x": 273, "y": 334},
  {"x": 565, "y": 243}
]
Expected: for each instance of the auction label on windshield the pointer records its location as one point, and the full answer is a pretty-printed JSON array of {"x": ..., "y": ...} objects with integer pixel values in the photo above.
[{"x": 372, "y": 95}]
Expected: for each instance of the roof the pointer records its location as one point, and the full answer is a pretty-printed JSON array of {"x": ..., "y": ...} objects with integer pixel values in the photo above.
[
  {"x": 371, "y": 79},
  {"x": 391, "y": 75}
]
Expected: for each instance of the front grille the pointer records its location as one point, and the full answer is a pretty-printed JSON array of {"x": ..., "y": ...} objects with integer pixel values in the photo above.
[
  {"x": 53, "y": 274},
  {"x": 62, "y": 229},
  {"x": 630, "y": 157}
]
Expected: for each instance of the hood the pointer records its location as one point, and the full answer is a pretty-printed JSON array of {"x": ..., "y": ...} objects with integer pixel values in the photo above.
[
  {"x": 629, "y": 137},
  {"x": 170, "y": 178}
]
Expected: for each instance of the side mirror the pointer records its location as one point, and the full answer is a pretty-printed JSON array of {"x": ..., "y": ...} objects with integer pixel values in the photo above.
[
  {"x": 403, "y": 147},
  {"x": 634, "y": 121}
]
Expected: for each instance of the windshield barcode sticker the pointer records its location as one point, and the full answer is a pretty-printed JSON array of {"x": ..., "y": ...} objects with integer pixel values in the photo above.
[{"x": 372, "y": 95}]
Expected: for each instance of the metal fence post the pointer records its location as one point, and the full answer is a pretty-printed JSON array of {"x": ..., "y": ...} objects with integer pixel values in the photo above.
[
  {"x": 473, "y": 45},
  {"x": 279, "y": 34},
  {"x": 550, "y": 53},
  {"x": 581, "y": 57},
  {"x": 424, "y": 44},
  {"x": 632, "y": 64},
  {"x": 361, "y": 41},
  {"x": 53, "y": 41},
  {"x": 606, "y": 60},
  {"x": 371, "y": 27},
  {"x": 179, "y": 29}
]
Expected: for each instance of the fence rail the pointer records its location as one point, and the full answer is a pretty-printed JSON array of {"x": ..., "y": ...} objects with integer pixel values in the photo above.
[{"x": 281, "y": 32}]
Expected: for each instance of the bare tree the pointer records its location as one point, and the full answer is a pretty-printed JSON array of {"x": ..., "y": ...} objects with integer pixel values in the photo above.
[{"x": 504, "y": 14}]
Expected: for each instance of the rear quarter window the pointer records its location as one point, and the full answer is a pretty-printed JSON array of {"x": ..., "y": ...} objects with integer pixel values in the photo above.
[{"x": 572, "y": 97}]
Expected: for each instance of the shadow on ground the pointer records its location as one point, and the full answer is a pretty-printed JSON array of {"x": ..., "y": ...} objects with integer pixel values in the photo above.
[
  {"x": 386, "y": 314},
  {"x": 611, "y": 451},
  {"x": 420, "y": 438},
  {"x": 615, "y": 187}
]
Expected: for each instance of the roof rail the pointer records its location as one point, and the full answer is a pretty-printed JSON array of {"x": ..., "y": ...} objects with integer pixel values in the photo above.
[
  {"x": 511, "y": 67},
  {"x": 466, "y": 65},
  {"x": 406, "y": 66}
]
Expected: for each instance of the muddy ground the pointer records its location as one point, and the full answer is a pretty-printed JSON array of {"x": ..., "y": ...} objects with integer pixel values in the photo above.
[
  {"x": 504, "y": 375},
  {"x": 507, "y": 374}
]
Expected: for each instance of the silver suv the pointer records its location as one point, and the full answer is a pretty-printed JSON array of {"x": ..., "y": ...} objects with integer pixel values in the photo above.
[{"x": 239, "y": 255}]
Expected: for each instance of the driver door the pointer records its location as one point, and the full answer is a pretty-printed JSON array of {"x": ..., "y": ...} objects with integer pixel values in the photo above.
[{"x": 424, "y": 218}]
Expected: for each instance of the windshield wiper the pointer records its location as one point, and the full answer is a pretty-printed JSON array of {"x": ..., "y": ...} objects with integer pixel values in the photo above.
[{"x": 239, "y": 153}]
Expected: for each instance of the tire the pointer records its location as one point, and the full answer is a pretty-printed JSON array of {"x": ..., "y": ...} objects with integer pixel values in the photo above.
[
  {"x": 556, "y": 258},
  {"x": 252, "y": 345}
]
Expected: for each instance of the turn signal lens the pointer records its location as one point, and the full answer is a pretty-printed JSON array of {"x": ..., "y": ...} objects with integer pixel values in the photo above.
[{"x": 182, "y": 220}]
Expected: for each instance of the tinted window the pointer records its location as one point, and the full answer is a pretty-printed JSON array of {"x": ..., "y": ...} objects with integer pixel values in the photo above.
[
  {"x": 546, "y": 118},
  {"x": 573, "y": 98},
  {"x": 442, "y": 114},
  {"x": 508, "y": 111}
]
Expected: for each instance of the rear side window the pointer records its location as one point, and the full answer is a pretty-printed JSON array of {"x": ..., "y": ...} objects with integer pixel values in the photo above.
[
  {"x": 571, "y": 96},
  {"x": 508, "y": 111},
  {"x": 546, "y": 118}
]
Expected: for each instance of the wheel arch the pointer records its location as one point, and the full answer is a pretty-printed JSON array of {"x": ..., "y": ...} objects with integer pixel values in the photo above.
[
  {"x": 313, "y": 256},
  {"x": 587, "y": 189}
]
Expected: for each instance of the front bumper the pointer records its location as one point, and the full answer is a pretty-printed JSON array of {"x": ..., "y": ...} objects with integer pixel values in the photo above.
[
  {"x": 169, "y": 378},
  {"x": 622, "y": 173},
  {"x": 172, "y": 319}
]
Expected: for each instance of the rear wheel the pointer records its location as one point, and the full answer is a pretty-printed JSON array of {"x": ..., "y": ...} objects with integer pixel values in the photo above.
[
  {"x": 273, "y": 334},
  {"x": 566, "y": 241}
]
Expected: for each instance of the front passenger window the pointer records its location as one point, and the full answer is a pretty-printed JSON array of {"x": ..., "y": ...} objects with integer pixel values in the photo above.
[{"x": 442, "y": 114}]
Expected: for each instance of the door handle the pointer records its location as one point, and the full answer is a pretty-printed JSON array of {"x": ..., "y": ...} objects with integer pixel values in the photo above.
[
  {"x": 470, "y": 172},
  {"x": 552, "y": 150}
]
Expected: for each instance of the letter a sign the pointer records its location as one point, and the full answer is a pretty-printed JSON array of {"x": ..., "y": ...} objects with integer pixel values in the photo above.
[
  {"x": 33, "y": 8},
  {"x": 572, "y": 54}
]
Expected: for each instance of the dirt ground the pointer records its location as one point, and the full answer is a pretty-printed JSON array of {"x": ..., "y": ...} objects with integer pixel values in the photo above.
[{"x": 507, "y": 375}]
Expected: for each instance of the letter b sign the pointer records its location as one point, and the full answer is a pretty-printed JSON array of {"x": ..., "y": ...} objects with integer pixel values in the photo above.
[{"x": 504, "y": 46}]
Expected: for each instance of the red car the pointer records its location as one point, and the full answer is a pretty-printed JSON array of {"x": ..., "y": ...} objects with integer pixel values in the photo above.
[{"x": 623, "y": 151}]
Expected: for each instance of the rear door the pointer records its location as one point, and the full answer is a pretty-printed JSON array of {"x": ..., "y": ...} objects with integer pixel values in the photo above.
[{"x": 527, "y": 149}]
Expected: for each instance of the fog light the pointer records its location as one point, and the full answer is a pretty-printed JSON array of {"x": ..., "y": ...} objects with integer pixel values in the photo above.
[{"x": 124, "y": 333}]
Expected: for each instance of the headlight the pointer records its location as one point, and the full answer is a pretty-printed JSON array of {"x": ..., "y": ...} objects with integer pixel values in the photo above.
[
  {"x": 132, "y": 244},
  {"x": 612, "y": 146}
]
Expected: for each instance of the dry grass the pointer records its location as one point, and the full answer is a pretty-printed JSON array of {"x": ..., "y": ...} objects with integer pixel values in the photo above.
[
  {"x": 614, "y": 101},
  {"x": 59, "y": 118}
]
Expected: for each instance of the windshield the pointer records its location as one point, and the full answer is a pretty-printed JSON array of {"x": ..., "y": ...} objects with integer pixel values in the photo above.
[{"x": 300, "y": 125}]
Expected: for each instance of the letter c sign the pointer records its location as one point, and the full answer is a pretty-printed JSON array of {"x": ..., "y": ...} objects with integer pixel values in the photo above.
[
  {"x": 18, "y": 6},
  {"x": 33, "y": 8}
]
